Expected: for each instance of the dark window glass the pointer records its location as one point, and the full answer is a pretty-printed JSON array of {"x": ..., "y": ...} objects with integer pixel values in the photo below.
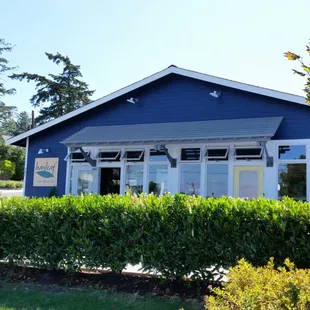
[
  {"x": 190, "y": 154},
  {"x": 110, "y": 156},
  {"x": 134, "y": 155},
  {"x": 217, "y": 154},
  {"x": 293, "y": 181},
  {"x": 248, "y": 153},
  {"x": 289, "y": 152},
  {"x": 78, "y": 157}
]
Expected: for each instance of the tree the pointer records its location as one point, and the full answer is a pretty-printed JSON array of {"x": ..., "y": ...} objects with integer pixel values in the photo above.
[
  {"x": 7, "y": 169},
  {"x": 305, "y": 72},
  {"x": 16, "y": 155},
  {"x": 5, "y": 67},
  {"x": 64, "y": 92}
]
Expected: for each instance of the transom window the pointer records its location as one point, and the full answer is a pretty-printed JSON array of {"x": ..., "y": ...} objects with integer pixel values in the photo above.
[
  {"x": 190, "y": 154},
  {"x": 157, "y": 156},
  {"x": 217, "y": 153},
  {"x": 292, "y": 152},
  {"x": 248, "y": 153},
  {"x": 76, "y": 157},
  {"x": 134, "y": 155},
  {"x": 109, "y": 155}
]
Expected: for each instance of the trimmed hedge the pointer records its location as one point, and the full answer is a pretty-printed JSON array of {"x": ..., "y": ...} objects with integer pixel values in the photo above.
[
  {"x": 175, "y": 235},
  {"x": 7, "y": 184}
]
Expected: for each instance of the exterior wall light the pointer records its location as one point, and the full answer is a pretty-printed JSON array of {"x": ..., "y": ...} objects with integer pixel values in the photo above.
[{"x": 43, "y": 151}]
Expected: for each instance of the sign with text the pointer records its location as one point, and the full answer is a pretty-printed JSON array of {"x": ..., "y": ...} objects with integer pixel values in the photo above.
[{"x": 45, "y": 171}]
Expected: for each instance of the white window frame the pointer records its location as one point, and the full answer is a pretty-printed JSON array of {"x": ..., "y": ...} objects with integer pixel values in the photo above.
[
  {"x": 249, "y": 157},
  {"x": 190, "y": 161},
  {"x": 69, "y": 159},
  {"x": 217, "y": 158},
  {"x": 131, "y": 159},
  {"x": 108, "y": 159}
]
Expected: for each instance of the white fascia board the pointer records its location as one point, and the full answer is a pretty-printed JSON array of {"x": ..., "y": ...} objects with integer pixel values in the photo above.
[{"x": 172, "y": 69}]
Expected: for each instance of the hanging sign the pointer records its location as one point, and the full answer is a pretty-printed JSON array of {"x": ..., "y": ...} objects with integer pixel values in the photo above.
[{"x": 45, "y": 171}]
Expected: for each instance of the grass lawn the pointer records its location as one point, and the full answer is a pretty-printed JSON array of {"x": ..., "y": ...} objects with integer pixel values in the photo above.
[{"x": 37, "y": 297}]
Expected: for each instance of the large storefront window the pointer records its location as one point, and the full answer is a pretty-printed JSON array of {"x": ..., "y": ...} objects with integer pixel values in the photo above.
[
  {"x": 158, "y": 179},
  {"x": 292, "y": 172},
  {"x": 217, "y": 180},
  {"x": 292, "y": 181},
  {"x": 134, "y": 179},
  {"x": 190, "y": 179}
]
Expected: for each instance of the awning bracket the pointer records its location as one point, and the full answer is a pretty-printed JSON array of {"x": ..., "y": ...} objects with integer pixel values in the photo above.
[
  {"x": 269, "y": 159},
  {"x": 173, "y": 161},
  {"x": 91, "y": 161}
]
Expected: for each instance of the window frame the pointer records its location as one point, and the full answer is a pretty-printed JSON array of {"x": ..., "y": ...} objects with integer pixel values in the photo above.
[
  {"x": 217, "y": 158},
  {"x": 131, "y": 159},
  {"x": 69, "y": 158},
  {"x": 190, "y": 160},
  {"x": 249, "y": 157},
  {"x": 109, "y": 159}
]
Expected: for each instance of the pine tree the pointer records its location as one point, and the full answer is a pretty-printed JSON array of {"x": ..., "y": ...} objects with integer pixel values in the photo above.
[
  {"x": 64, "y": 92},
  {"x": 5, "y": 67}
]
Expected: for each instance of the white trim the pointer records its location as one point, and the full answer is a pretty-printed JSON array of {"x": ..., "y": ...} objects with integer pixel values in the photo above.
[
  {"x": 25, "y": 168},
  {"x": 172, "y": 69},
  {"x": 68, "y": 172}
]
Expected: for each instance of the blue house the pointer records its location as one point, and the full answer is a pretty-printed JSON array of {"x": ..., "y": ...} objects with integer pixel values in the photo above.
[{"x": 175, "y": 131}]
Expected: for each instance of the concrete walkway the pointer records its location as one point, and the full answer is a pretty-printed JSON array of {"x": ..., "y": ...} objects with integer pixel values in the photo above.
[{"x": 11, "y": 192}]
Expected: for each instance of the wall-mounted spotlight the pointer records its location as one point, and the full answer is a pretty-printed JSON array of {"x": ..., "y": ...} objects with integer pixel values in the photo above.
[
  {"x": 216, "y": 94},
  {"x": 132, "y": 100},
  {"x": 43, "y": 151}
]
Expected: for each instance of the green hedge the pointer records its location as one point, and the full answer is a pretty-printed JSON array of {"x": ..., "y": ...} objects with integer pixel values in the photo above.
[
  {"x": 7, "y": 184},
  {"x": 176, "y": 235}
]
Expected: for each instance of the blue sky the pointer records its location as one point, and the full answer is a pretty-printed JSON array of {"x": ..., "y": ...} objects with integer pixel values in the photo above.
[{"x": 119, "y": 42}]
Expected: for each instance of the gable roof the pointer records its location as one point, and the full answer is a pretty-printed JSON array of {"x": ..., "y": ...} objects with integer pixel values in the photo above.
[{"x": 170, "y": 70}]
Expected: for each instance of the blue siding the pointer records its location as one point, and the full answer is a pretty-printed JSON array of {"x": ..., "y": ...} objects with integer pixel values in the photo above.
[{"x": 171, "y": 99}]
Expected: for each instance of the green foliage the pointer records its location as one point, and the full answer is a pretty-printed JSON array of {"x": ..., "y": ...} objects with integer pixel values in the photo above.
[
  {"x": 5, "y": 111},
  {"x": 263, "y": 288},
  {"x": 11, "y": 184},
  {"x": 175, "y": 235},
  {"x": 7, "y": 169},
  {"x": 304, "y": 72},
  {"x": 64, "y": 92},
  {"x": 16, "y": 155}
]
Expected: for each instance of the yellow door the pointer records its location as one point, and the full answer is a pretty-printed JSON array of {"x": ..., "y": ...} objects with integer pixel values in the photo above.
[{"x": 248, "y": 181}]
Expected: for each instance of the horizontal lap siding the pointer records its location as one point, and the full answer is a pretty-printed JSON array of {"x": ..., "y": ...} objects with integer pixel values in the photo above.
[{"x": 172, "y": 99}]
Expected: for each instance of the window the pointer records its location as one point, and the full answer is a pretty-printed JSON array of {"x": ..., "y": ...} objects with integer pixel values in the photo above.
[
  {"x": 190, "y": 154},
  {"x": 217, "y": 180},
  {"x": 158, "y": 179},
  {"x": 217, "y": 153},
  {"x": 157, "y": 156},
  {"x": 190, "y": 179},
  {"x": 134, "y": 155},
  {"x": 85, "y": 182},
  {"x": 109, "y": 155},
  {"x": 248, "y": 153},
  {"x": 292, "y": 172},
  {"x": 292, "y": 152},
  {"x": 293, "y": 181},
  {"x": 134, "y": 179},
  {"x": 76, "y": 157}
]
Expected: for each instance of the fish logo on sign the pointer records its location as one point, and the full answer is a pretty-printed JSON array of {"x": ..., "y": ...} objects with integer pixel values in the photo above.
[{"x": 45, "y": 172}]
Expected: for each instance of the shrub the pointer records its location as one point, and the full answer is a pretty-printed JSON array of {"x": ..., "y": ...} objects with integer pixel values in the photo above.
[
  {"x": 11, "y": 184},
  {"x": 7, "y": 169},
  {"x": 263, "y": 288},
  {"x": 175, "y": 235}
]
